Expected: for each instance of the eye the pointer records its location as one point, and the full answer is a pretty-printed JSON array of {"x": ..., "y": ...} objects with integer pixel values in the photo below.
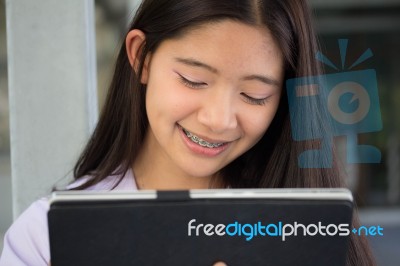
[
  {"x": 254, "y": 101},
  {"x": 191, "y": 84}
]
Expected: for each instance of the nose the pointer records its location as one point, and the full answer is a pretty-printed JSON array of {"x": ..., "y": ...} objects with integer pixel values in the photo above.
[{"x": 217, "y": 112}]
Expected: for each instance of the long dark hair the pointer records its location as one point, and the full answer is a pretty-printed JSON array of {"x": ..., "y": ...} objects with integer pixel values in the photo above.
[{"x": 272, "y": 162}]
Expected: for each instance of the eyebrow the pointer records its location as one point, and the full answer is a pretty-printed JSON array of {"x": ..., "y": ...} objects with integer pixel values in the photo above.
[
  {"x": 195, "y": 63},
  {"x": 264, "y": 79}
]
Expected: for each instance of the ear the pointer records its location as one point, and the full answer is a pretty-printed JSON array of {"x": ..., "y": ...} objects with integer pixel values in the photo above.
[{"x": 134, "y": 41}]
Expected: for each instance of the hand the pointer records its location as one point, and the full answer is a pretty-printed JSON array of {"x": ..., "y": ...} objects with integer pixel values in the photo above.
[{"x": 220, "y": 263}]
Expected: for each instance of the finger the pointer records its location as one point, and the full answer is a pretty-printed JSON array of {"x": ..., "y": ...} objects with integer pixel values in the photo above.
[{"x": 220, "y": 263}]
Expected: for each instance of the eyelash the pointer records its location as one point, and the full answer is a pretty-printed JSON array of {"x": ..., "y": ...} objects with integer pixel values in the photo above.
[
  {"x": 254, "y": 101},
  {"x": 191, "y": 84},
  {"x": 196, "y": 85}
]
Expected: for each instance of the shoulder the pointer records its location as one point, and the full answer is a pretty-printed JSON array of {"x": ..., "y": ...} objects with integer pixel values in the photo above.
[
  {"x": 26, "y": 241},
  {"x": 112, "y": 182}
]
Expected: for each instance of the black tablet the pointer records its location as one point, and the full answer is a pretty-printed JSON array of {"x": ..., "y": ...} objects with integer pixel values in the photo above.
[{"x": 200, "y": 227}]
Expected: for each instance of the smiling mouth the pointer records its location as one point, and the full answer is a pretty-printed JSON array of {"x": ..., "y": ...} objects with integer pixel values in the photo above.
[{"x": 201, "y": 141}]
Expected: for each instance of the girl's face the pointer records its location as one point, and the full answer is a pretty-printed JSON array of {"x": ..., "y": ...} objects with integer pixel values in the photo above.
[{"x": 211, "y": 95}]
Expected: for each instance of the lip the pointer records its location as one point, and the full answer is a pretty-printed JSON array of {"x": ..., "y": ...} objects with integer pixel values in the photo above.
[{"x": 198, "y": 149}]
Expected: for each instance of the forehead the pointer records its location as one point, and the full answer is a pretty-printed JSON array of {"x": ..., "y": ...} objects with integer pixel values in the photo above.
[
  {"x": 230, "y": 30},
  {"x": 227, "y": 43}
]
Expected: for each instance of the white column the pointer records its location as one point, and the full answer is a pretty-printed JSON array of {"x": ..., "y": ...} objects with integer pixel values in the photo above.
[
  {"x": 52, "y": 91},
  {"x": 132, "y": 5}
]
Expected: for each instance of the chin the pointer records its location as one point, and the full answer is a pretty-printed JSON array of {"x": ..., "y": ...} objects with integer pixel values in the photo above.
[{"x": 201, "y": 171}]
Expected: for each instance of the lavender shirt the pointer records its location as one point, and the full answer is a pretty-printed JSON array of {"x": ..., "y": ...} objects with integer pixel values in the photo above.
[{"x": 27, "y": 242}]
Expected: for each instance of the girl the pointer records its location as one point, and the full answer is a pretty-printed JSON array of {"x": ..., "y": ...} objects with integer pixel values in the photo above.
[{"x": 197, "y": 101}]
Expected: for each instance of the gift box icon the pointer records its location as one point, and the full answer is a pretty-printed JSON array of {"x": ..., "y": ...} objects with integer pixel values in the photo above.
[{"x": 349, "y": 100}]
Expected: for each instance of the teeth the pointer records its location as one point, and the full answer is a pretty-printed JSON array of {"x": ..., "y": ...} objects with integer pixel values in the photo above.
[{"x": 200, "y": 141}]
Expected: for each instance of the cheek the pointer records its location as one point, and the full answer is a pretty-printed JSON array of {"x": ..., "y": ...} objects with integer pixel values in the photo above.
[
  {"x": 167, "y": 98},
  {"x": 255, "y": 127},
  {"x": 256, "y": 123}
]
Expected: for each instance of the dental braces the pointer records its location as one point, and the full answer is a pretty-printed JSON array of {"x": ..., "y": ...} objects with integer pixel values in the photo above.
[{"x": 200, "y": 141}]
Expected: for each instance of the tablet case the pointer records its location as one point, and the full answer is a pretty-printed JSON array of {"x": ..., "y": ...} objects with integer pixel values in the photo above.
[{"x": 155, "y": 231}]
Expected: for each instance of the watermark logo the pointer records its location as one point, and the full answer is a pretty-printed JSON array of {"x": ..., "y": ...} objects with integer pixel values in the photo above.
[
  {"x": 279, "y": 229},
  {"x": 349, "y": 99}
]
